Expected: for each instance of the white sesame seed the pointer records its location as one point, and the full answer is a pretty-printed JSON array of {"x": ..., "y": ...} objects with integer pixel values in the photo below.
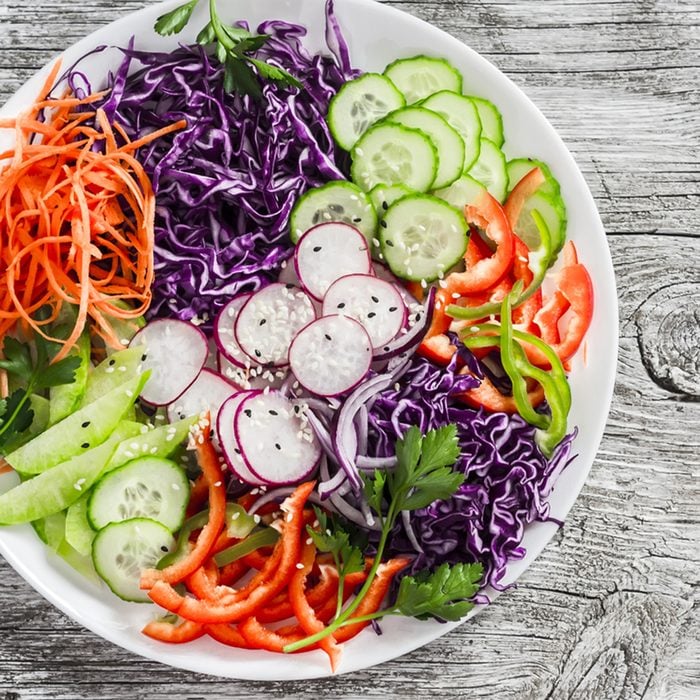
[{"x": 300, "y": 566}]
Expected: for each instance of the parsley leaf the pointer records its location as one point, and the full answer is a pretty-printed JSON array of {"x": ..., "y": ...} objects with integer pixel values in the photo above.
[
  {"x": 442, "y": 594},
  {"x": 18, "y": 359},
  {"x": 232, "y": 47},
  {"x": 175, "y": 21}
]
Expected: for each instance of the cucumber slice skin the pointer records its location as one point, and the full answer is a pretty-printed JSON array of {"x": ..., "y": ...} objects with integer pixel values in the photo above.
[
  {"x": 58, "y": 488},
  {"x": 419, "y": 77},
  {"x": 461, "y": 192},
  {"x": 122, "y": 551},
  {"x": 82, "y": 430},
  {"x": 383, "y": 196},
  {"x": 152, "y": 488},
  {"x": 461, "y": 114},
  {"x": 407, "y": 264},
  {"x": 490, "y": 169},
  {"x": 449, "y": 144},
  {"x": 112, "y": 372},
  {"x": 347, "y": 203},
  {"x": 491, "y": 120},
  {"x": 410, "y": 147},
  {"x": 517, "y": 168},
  {"x": 553, "y": 211},
  {"x": 368, "y": 98}
]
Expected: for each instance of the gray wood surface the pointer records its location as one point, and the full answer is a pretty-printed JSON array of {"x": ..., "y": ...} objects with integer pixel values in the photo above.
[{"x": 610, "y": 610}]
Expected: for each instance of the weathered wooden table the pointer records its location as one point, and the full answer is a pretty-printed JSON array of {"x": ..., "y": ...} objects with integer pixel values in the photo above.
[{"x": 610, "y": 610}]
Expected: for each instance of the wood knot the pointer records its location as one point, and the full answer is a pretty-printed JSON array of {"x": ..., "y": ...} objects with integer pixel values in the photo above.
[{"x": 668, "y": 332}]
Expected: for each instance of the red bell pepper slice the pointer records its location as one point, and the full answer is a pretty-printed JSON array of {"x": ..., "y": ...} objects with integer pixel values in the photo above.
[
  {"x": 232, "y": 572},
  {"x": 303, "y": 609},
  {"x": 486, "y": 213},
  {"x": 232, "y": 605},
  {"x": 181, "y": 633},
  {"x": 488, "y": 397},
  {"x": 211, "y": 469},
  {"x": 203, "y": 581},
  {"x": 229, "y": 635},
  {"x": 523, "y": 190},
  {"x": 374, "y": 597},
  {"x": 258, "y": 636}
]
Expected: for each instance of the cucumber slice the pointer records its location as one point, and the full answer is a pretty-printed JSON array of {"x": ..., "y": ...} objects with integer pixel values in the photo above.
[
  {"x": 112, "y": 372},
  {"x": 490, "y": 169},
  {"x": 60, "y": 487},
  {"x": 491, "y": 120},
  {"x": 394, "y": 155},
  {"x": 422, "y": 76},
  {"x": 338, "y": 201},
  {"x": 65, "y": 398},
  {"x": 449, "y": 144},
  {"x": 152, "y": 488},
  {"x": 79, "y": 432},
  {"x": 359, "y": 104},
  {"x": 461, "y": 192},
  {"x": 517, "y": 168},
  {"x": 79, "y": 533},
  {"x": 551, "y": 209},
  {"x": 422, "y": 237},
  {"x": 122, "y": 551},
  {"x": 462, "y": 115},
  {"x": 160, "y": 442},
  {"x": 383, "y": 196}
]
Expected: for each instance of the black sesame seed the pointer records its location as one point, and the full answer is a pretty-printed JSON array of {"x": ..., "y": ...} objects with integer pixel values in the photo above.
[
  {"x": 144, "y": 357},
  {"x": 393, "y": 308},
  {"x": 248, "y": 413},
  {"x": 236, "y": 450},
  {"x": 272, "y": 412},
  {"x": 341, "y": 305},
  {"x": 357, "y": 220},
  {"x": 112, "y": 363},
  {"x": 387, "y": 348},
  {"x": 317, "y": 249},
  {"x": 163, "y": 549},
  {"x": 417, "y": 318},
  {"x": 385, "y": 206},
  {"x": 277, "y": 445},
  {"x": 289, "y": 286},
  {"x": 258, "y": 353},
  {"x": 328, "y": 337},
  {"x": 296, "y": 409},
  {"x": 85, "y": 424},
  {"x": 390, "y": 243},
  {"x": 376, "y": 300},
  {"x": 383, "y": 224},
  {"x": 371, "y": 314},
  {"x": 85, "y": 445},
  {"x": 263, "y": 321}
]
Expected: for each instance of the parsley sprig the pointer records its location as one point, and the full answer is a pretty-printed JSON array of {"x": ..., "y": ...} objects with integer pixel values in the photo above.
[
  {"x": 422, "y": 475},
  {"x": 35, "y": 372},
  {"x": 233, "y": 47}
]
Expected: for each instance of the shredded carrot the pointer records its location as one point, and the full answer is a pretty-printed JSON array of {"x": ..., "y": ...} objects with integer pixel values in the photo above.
[{"x": 77, "y": 213}]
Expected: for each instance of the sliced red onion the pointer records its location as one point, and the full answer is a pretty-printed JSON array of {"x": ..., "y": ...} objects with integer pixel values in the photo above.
[
  {"x": 322, "y": 433},
  {"x": 372, "y": 463},
  {"x": 327, "y": 488},
  {"x": 408, "y": 527},
  {"x": 412, "y": 338},
  {"x": 362, "y": 427}
]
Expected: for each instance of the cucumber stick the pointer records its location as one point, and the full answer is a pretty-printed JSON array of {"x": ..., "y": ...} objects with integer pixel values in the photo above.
[
  {"x": 58, "y": 488},
  {"x": 79, "y": 432},
  {"x": 112, "y": 372},
  {"x": 65, "y": 398}
]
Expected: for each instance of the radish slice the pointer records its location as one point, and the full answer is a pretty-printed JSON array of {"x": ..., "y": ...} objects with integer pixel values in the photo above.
[
  {"x": 328, "y": 252},
  {"x": 207, "y": 393},
  {"x": 289, "y": 276},
  {"x": 269, "y": 320},
  {"x": 374, "y": 303},
  {"x": 276, "y": 441},
  {"x": 175, "y": 353},
  {"x": 226, "y": 433},
  {"x": 224, "y": 337},
  {"x": 331, "y": 355},
  {"x": 384, "y": 273}
]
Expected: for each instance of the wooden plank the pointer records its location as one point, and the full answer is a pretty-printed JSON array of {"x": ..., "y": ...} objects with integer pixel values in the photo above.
[{"x": 610, "y": 610}]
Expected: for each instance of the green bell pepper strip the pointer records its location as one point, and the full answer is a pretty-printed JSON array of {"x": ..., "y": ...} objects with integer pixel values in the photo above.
[
  {"x": 539, "y": 261},
  {"x": 265, "y": 537}
]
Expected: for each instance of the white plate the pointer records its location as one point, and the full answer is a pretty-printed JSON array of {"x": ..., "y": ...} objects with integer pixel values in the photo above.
[{"x": 377, "y": 35}]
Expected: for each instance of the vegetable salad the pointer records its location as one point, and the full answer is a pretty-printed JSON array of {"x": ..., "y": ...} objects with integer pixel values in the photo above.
[{"x": 284, "y": 344}]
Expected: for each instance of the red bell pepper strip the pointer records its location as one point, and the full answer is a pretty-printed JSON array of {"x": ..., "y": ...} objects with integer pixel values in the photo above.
[
  {"x": 229, "y": 574},
  {"x": 258, "y": 636},
  {"x": 173, "y": 633},
  {"x": 203, "y": 581},
  {"x": 211, "y": 469},
  {"x": 374, "y": 597},
  {"x": 231, "y": 605},
  {"x": 198, "y": 495},
  {"x": 486, "y": 213},
  {"x": 304, "y": 611},
  {"x": 229, "y": 635},
  {"x": 488, "y": 397},
  {"x": 523, "y": 190}
]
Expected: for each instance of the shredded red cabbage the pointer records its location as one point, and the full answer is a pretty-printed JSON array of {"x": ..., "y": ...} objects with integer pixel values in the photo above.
[
  {"x": 226, "y": 184},
  {"x": 508, "y": 478}
]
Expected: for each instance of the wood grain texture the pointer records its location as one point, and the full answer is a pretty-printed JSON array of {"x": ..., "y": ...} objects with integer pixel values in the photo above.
[{"x": 611, "y": 608}]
